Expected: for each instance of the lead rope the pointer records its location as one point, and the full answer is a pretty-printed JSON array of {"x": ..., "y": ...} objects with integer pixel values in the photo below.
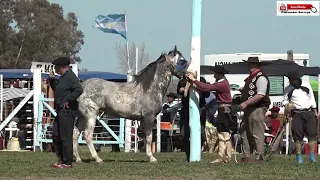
[{"x": 238, "y": 137}]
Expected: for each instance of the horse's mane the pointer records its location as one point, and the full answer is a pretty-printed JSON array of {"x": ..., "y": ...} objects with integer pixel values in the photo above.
[{"x": 146, "y": 75}]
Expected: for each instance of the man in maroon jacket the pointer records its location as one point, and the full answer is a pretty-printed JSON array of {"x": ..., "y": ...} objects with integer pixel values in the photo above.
[{"x": 224, "y": 100}]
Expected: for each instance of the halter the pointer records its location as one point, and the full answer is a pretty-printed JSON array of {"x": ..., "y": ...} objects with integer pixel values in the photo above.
[{"x": 180, "y": 66}]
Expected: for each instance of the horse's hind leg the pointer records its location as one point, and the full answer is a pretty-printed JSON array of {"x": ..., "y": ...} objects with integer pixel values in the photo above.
[
  {"x": 88, "y": 134},
  {"x": 148, "y": 122},
  {"x": 76, "y": 134}
]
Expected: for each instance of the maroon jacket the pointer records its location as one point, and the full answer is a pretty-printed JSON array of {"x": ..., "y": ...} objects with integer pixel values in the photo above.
[{"x": 221, "y": 87}]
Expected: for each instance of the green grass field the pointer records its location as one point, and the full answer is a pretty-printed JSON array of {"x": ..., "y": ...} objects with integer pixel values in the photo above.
[{"x": 30, "y": 165}]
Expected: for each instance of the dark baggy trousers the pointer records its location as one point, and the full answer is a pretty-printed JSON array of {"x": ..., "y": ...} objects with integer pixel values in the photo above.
[
  {"x": 304, "y": 123},
  {"x": 62, "y": 133},
  {"x": 223, "y": 121}
]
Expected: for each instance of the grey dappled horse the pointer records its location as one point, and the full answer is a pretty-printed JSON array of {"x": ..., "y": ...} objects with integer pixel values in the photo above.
[{"x": 140, "y": 99}]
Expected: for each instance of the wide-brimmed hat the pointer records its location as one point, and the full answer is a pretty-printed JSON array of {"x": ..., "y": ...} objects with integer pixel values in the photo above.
[
  {"x": 219, "y": 69},
  {"x": 173, "y": 95},
  {"x": 274, "y": 109},
  {"x": 252, "y": 60},
  {"x": 293, "y": 75}
]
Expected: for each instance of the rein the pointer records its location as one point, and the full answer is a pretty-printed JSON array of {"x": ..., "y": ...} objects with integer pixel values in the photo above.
[{"x": 238, "y": 137}]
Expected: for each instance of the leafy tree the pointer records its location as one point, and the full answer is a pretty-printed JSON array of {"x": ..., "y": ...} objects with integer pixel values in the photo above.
[{"x": 35, "y": 30}]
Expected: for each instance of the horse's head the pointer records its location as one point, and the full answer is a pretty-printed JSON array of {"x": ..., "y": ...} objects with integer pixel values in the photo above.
[{"x": 178, "y": 63}]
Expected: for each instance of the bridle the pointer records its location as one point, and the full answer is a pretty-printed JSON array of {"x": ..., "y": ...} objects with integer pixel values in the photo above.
[{"x": 180, "y": 66}]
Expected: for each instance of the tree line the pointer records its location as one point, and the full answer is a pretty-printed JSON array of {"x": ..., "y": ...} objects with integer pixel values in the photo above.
[{"x": 36, "y": 30}]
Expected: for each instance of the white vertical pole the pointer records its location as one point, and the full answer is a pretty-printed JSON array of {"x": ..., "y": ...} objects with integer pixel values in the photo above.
[
  {"x": 1, "y": 97},
  {"x": 158, "y": 133},
  {"x": 287, "y": 138},
  {"x": 75, "y": 69},
  {"x": 286, "y": 83},
  {"x": 289, "y": 58},
  {"x": 135, "y": 136},
  {"x": 136, "y": 122},
  {"x": 36, "y": 98},
  {"x": 318, "y": 107},
  {"x": 128, "y": 124}
]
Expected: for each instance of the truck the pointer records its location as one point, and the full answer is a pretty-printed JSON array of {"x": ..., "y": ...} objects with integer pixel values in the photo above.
[{"x": 277, "y": 83}]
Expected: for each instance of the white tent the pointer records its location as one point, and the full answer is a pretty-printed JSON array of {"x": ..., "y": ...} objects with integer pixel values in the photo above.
[{"x": 13, "y": 93}]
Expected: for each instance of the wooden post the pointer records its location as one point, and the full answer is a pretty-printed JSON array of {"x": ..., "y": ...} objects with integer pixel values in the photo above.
[
  {"x": 288, "y": 131},
  {"x": 290, "y": 55}
]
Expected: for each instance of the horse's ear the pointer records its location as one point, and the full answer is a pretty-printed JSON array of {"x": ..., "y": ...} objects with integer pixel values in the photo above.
[{"x": 175, "y": 50}]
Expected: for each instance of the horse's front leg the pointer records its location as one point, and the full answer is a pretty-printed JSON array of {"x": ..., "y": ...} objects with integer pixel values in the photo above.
[{"x": 148, "y": 130}]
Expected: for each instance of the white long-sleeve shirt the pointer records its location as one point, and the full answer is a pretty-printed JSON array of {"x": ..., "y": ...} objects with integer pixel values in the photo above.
[{"x": 300, "y": 98}]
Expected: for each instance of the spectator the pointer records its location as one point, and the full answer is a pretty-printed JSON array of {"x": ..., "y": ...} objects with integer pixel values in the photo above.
[{"x": 273, "y": 122}]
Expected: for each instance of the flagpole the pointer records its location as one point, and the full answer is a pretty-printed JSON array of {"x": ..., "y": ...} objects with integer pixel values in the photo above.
[
  {"x": 128, "y": 56},
  {"x": 128, "y": 122}
]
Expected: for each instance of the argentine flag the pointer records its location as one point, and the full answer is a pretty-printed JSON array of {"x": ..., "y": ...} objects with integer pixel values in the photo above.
[{"x": 112, "y": 23}]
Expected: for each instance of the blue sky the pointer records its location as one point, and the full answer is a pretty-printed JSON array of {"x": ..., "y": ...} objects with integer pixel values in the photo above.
[{"x": 227, "y": 27}]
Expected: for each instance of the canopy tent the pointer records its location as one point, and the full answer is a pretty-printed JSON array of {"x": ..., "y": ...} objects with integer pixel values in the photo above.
[
  {"x": 13, "y": 93},
  {"x": 83, "y": 75},
  {"x": 278, "y": 67}
]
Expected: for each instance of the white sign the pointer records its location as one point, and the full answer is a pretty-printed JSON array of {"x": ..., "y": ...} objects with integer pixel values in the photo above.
[
  {"x": 46, "y": 68},
  {"x": 223, "y": 63},
  {"x": 297, "y": 8}
]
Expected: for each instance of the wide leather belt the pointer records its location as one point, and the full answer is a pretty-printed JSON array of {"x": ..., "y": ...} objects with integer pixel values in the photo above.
[
  {"x": 302, "y": 110},
  {"x": 224, "y": 105}
]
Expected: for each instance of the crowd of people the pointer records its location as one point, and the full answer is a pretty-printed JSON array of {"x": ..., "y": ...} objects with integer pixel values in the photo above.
[
  {"x": 299, "y": 102},
  {"x": 300, "y": 107}
]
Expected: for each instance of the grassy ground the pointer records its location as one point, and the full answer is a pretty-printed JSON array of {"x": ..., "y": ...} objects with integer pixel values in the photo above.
[{"x": 30, "y": 165}]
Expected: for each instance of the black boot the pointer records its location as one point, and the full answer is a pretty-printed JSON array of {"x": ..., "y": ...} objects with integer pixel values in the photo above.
[
  {"x": 98, "y": 148},
  {"x": 115, "y": 148}
]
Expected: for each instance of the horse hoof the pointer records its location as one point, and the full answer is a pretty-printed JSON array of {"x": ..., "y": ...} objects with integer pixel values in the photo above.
[
  {"x": 78, "y": 161},
  {"x": 100, "y": 161},
  {"x": 153, "y": 160}
]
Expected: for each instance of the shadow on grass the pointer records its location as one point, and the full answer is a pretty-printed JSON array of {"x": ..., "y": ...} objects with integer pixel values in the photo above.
[{"x": 115, "y": 160}]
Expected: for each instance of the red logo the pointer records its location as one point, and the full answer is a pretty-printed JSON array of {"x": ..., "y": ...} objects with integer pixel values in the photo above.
[{"x": 283, "y": 7}]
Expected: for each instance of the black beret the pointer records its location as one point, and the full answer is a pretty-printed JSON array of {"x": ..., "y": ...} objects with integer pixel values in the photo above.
[
  {"x": 294, "y": 75},
  {"x": 61, "y": 61}
]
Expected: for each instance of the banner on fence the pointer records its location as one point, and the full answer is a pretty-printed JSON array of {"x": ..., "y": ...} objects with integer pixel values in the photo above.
[{"x": 46, "y": 67}]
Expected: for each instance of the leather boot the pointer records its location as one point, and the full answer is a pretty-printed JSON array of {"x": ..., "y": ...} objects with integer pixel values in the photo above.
[
  {"x": 312, "y": 145},
  {"x": 298, "y": 152}
]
